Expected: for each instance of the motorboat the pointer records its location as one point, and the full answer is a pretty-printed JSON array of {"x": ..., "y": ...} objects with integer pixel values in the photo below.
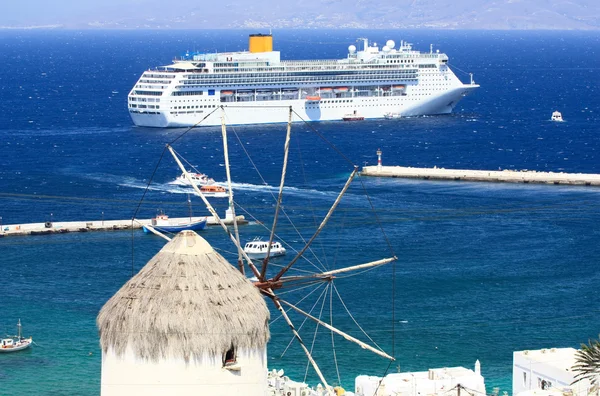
[
  {"x": 557, "y": 117},
  {"x": 257, "y": 249},
  {"x": 162, "y": 223},
  {"x": 391, "y": 115},
  {"x": 353, "y": 117},
  {"x": 15, "y": 343},
  {"x": 199, "y": 179}
]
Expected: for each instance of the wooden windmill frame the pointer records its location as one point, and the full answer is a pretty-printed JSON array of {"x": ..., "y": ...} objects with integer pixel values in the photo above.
[{"x": 268, "y": 286}]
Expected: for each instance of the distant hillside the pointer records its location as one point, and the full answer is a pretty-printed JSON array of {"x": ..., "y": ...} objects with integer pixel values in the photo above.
[{"x": 466, "y": 14}]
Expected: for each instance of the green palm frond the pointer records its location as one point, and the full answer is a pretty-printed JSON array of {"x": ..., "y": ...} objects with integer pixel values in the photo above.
[{"x": 587, "y": 362}]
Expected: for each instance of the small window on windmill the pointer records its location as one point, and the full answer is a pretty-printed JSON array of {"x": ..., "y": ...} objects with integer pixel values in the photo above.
[{"x": 229, "y": 357}]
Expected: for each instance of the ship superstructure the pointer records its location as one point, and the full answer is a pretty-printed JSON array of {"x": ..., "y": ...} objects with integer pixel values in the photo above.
[{"x": 256, "y": 86}]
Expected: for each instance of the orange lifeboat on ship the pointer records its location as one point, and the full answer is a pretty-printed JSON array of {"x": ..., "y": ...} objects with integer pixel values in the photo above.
[{"x": 313, "y": 98}]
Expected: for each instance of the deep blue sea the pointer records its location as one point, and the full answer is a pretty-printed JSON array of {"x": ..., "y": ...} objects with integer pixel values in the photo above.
[{"x": 483, "y": 269}]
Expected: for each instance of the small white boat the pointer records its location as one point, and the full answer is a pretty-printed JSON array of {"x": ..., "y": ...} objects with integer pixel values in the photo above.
[
  {"x": 257, "y": 249},
  {"x": 199, "y": 179},
  {"x": 354, "y": 116},
  {"x": 391, "y": 115},
  {"x": 15, "y": 343},
  {"x": 557, "y": 117},
  {"x": 162, "y": 223}
]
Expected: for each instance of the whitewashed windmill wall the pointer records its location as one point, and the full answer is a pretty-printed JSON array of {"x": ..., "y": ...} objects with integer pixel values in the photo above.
[{"x": 167, "y": 330}]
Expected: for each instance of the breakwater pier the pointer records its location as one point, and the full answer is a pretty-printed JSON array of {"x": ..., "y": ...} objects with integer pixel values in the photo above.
[
  {"x": 499, "y": 176},
  {"x": 59, "y": 227}
]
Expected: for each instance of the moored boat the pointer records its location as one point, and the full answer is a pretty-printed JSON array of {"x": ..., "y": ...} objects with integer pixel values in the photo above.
[
  {"x": 557, "y": 117},
  {"x": 353, "y": 117},
  {"x": 257, "y": 249},
  {"x": 15, "y": 343},
  {"x": 391, "y": 115},
  {"x": 162, "y": 223}
]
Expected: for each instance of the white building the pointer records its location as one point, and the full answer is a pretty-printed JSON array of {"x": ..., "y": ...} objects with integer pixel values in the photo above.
[
  {"x": 187, "y": 324},
  {"x": 546, "y": 372},
  {"x": 442, "y": 381}
]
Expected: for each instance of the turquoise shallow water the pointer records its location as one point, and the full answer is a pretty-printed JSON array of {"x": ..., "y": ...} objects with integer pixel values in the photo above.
[{"x": 483, "y": 269}]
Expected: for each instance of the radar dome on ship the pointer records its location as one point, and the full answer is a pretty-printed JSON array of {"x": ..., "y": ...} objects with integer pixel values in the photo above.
[
  {"x": 386, "y": 48},
  {"x": 390, "y": 44},
  {"x": 351, "y": 49}
]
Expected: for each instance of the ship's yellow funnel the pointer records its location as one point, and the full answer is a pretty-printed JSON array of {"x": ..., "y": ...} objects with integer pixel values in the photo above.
[{"x": 260, "y": 43}]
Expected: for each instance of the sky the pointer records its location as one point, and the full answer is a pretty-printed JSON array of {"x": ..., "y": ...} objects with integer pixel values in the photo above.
[{"x": 444, "y": 14}]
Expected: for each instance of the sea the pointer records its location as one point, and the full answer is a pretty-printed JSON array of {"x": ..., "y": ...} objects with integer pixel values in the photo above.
[{"x": 483, "y": 269}]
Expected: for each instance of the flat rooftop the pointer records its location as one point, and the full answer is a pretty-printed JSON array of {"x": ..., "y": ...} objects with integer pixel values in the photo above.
[{"x": 560, "y": 358}]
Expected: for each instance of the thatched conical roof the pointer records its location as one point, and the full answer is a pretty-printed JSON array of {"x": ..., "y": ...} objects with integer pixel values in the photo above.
[{"x": 186, "y": 301}]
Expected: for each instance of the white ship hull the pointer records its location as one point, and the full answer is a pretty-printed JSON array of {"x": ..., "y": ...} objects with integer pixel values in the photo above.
[{"x": 268, "y": 112}]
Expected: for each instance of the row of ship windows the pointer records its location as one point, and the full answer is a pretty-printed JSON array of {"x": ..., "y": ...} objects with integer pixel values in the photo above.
[
  {"x": 194, "y": 100},
  {"x": 187, "y": 93},
  {"x": 136, "y": 106},
  {"x": 142, "y": 86},
  {"x": 359, "y": 93},
  {"x": 187, "y": 112},
  {"x": 154, "y": 81},
  {"x": 141, "y": 106},
  {"x": 194, "y": 107},
  {"x": 401, "y": 61},
  {"x": 309, "y": 69},
  {"x": 136, "y": 99},
  {"x": 151, "y": 75},
  {"x": 214, "y": 106},
  {"x": 297, "y": 83},
  {"x": 325, "y": 73},
  {"x": 148, "y": 93},
  {"x": 302, "y": 80},
  {"x": 306, "y": 107}
]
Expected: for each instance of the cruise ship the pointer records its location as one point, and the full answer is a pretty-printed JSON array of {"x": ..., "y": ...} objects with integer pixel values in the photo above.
[{"x": 257, "y": 87}]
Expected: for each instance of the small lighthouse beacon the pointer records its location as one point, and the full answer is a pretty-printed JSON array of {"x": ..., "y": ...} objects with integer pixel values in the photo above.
[
  {"x": 188, "y": 323},
  {"x": 378, "y": 159}
]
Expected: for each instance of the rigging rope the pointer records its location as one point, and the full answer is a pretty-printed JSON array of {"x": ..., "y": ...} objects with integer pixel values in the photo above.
[
  {"x": 324, "y": 139},
  {"x": 303, "y": 322},
  {"x": 312, "y": 345},
  {"x": 335, "y": 361},
  {"x": 354, "y": 320},
  {"x": 319, "y": 285}
]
